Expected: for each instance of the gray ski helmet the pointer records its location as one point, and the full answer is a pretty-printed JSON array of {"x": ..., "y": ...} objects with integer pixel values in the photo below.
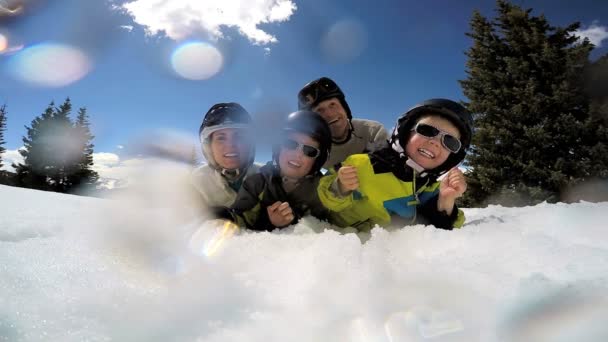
[
  {"x": 312, "y": 124},
  {"x": 319, "y": 90},
  {"x": 221, "y": 116},
  {"x": 448, "y": 109}
]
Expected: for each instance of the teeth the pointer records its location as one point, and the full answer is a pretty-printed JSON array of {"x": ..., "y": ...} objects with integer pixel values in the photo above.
[
  {"x": 294, "y": 164},
  {"x": 426, "y": 153},
  {"x": 231, "y": 155},
  {"x": 334, "y": 121}
]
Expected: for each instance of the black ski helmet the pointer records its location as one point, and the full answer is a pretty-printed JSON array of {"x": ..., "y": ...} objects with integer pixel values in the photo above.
[
  {"x": 448, "y": 109},
  {"x": 312, "y": 124},
  {"x": 221, "y": 116},
  {"x": 320, "y": 90}
]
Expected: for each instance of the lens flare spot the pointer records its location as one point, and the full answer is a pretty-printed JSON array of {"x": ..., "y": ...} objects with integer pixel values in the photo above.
[
  {"x": 3, "y": 43},
  {"x": 50, "y": 65},
  {"x": 197, "y": 61},
  {"x": 344, "y": 41},
  {"x": 208, "y": 239}
]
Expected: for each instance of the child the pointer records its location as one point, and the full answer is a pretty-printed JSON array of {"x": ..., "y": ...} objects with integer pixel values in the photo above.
[
  {"x": 398, "y": 185},
  {"x": 285, "y": 189},
  {"x": 229, "y": 151}
]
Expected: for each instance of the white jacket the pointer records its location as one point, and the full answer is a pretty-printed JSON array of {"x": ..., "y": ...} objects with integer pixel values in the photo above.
[{"x": 213, "y": 187}]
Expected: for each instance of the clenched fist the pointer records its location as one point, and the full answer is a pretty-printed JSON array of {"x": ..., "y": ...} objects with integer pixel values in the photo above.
[
  {"x": 348, "y": 179},
  {"x": 453, "y": 185},
  {"x": 280, "y": 214}
]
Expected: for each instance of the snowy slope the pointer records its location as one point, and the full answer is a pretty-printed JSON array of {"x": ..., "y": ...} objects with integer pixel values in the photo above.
[{"x": 84, "y": 269}]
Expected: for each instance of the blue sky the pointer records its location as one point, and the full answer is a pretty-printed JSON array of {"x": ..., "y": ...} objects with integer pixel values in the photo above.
[{"x": 386, "y": 56}]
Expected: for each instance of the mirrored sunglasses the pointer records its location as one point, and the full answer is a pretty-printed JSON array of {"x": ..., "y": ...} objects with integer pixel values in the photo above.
[
  {"x": 448, "y": 141},
  {"x": 307, "y": 150}
]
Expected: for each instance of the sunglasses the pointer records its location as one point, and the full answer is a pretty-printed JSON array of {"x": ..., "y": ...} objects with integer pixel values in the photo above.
[
  {"x": 448, "y": 141},
  {"x": 307, "y": 150},
  {"x": 315, "y": 90}
]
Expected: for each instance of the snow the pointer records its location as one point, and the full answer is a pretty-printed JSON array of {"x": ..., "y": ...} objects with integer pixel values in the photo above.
[{"x": 86, "y": 269}]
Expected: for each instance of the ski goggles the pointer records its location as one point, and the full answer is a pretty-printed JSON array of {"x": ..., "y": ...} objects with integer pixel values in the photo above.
[
  {"x": 321, "y": 88},
  {"x": 307, "y": 150},
  {"x": 226, "y": 113},
  {"x": 448, "y": 141}
]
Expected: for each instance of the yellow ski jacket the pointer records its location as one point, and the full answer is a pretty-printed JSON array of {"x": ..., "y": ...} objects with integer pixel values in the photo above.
[{"x": 390, "y": 193}]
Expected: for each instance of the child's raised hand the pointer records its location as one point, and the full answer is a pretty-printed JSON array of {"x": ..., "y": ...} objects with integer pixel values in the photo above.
[
  {"x": 280, "y": 214},
  {"x": 453, "y": 185},
  {"x": 347, "y": 178}
]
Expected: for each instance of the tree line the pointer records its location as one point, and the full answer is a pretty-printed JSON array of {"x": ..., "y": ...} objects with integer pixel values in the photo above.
[
  {"x": 57, "y": 152},
  {"x": 540, "y": 106}
]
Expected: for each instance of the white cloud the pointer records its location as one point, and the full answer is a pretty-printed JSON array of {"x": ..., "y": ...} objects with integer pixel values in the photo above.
[
  {"x": 595, "y": 33},
  {"x": 9, "y": 157},
  {"x": 182, "y": 19},
  {"x": 116, "y": 173},
  {"x": 127, "y": 27},
  {"x": 112, "y": 171}
]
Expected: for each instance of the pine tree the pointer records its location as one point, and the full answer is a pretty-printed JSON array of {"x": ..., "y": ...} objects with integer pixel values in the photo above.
[
  {"x": 63, "y": 147},
  {"x": 83, "y": 178},
  {"x": 2, "y": 129},
  {"x": 57, "y": 153},
  {"x": 31, "y": 173},
  {"x": 597, "y": 88},
  {"x": 6, "y": 177},
  {"x": 533, "y": 134}
]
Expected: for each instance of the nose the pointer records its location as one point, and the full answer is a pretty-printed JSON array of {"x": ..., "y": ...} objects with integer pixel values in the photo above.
[
  {"x": 231, "y": 142},
  {"x": 436, "y": 140},
  {"x": 299, "y": 153}
]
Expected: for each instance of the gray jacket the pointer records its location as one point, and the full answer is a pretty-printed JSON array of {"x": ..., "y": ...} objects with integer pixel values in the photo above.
[{"x": 367, "y": 136}]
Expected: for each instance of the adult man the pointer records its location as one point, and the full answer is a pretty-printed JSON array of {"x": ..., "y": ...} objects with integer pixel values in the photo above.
[{"x": 349, "y": 136}]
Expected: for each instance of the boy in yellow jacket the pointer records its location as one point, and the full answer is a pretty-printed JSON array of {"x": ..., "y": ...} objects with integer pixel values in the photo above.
[{"x": 398, "y": 185}]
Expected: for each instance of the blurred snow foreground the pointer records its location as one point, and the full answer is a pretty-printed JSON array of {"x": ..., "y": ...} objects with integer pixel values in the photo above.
[{"x": 86, "y": 269}]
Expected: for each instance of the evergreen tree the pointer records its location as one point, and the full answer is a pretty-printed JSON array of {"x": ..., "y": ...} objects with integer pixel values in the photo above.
[
  {"x": 534, "y": 133},
  {"x": 83, "y": 178},
  {"x": 57, "y": 153},
  {"x": 2, "y": 129},
  {"x": 63, "y": 148},
  {"x": 597, "y": 88},
  {"x": 6, "y": 177},
  {"x": 31, "y": 173}
]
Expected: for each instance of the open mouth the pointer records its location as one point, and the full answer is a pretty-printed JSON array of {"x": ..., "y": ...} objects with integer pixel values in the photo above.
[
  {"x": 333, "y": 121},
  {"x": 294, "y": 164},
  {"x": 231, "y": 155},
  {"x": 426, "y": 153}
]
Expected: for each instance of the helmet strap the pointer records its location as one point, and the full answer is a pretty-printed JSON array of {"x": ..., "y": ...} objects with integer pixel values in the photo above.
[{"x": 417, "y": 167}]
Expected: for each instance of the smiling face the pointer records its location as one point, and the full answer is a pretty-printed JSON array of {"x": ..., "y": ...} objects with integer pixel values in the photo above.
[
  {"x": 430, "y": 152},
  {"x": 293, "y": 163},
  {"x": 230, "y": 148},
  {"x": 335, "y": 115}
]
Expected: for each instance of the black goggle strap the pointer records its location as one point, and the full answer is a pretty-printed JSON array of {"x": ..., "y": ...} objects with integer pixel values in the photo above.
[
  {"x": 310, "y": 93},
  {"x": 212, "y": 118}
]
